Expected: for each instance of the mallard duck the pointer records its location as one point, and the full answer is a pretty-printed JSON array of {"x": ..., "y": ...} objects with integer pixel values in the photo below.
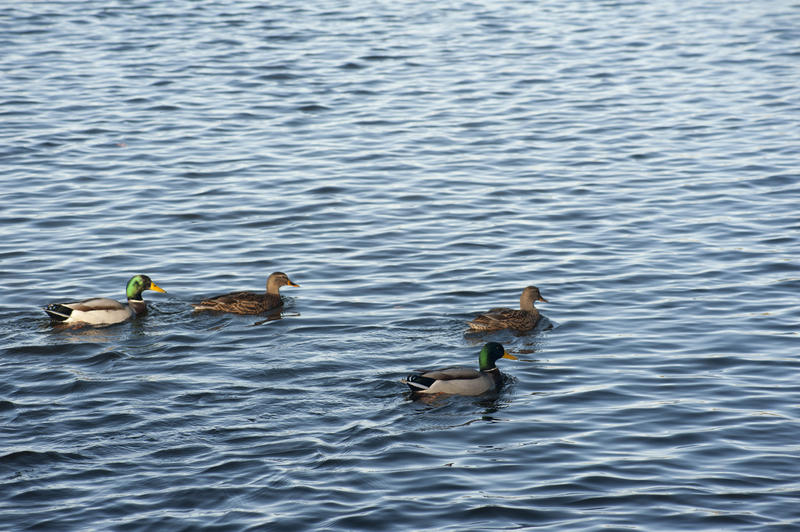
[
  {"x": 463, "y": 381},
  {"x": 506, "y": 318},
  {"x": 250, "y": 302},
  {"x": 104, "y": 311}
]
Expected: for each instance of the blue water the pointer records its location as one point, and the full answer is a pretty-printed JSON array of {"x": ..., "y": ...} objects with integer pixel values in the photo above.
[{"x": 410, "y": 164}]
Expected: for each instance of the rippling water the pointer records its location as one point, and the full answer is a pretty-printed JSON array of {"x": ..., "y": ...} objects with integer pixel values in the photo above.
[{"x": 409, "y": 164}]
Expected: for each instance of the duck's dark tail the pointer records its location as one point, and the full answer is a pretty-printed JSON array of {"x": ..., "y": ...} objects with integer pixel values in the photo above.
[
  {"x": 58, "y": 312},
  {"x": 418, "y": 382}
]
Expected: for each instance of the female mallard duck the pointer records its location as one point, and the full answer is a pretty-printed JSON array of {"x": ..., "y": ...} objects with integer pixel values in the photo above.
[
  {"x": 507, "y": 318},
  {"x": 463, "y": 381},
  {"x": 250, "y": 302},
  {"x": 104, "y": 311}
]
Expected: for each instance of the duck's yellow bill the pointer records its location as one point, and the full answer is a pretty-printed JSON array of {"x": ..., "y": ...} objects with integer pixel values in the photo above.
[
  {"x": 294, "y": 284},
  {"x": 512, "y": 357},
  {"x": 154, "y": 286}
]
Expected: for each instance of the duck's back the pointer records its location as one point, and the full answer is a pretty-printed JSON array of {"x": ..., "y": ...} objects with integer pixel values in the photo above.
[
  {"x": 241, "y": 303},
  {"x": 452, "y": 373},
  {"x": 505, "y": 318}
]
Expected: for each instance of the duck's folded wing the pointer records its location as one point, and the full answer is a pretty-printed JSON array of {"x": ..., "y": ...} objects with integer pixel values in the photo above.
[
  {"x": 447, "y": 374},
  {"x": 501, "y": 314},
  {"x": 96, "y": 303},
  {"x": 233, "y": 296}
]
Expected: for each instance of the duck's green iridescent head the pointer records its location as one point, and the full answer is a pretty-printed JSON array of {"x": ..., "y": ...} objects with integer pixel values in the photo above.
[
  {"x": 491, "y": 353},
  {"x": 140, "y": 283}
]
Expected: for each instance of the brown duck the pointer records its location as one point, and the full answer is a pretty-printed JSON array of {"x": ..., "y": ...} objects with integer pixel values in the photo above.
[
  {"x": 250, "y": 302},
  {"x": 506, "y": 318}
]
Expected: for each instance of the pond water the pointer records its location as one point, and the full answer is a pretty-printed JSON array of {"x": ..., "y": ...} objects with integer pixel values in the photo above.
[{"x": 410, "y": 165}]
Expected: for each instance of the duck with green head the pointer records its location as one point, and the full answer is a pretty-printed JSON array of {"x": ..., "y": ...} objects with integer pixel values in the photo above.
[
  {"x": 250, "y": 302},
  {"x": 460, "y": 380},
  {"x": 105, "y": 311},
  {"x": 506, "y": 318}
]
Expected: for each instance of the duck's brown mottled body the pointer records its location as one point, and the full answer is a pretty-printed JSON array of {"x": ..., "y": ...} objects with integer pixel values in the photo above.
[
  {"x": 241, "y": 303},
  {"x": 250, "y": 302},
  {"x": 522, "y": 319}
]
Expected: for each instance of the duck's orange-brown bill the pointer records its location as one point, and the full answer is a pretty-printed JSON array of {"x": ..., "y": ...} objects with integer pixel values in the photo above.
[{"x": 154, "y": 286}]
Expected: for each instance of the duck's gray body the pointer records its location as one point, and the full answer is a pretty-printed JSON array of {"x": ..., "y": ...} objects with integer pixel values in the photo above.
[
  {"x": 460, "y": 380},
  {"x": 102, "y": 310}
]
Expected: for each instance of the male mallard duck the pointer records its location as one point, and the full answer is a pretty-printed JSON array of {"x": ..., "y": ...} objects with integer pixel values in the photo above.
[
  {"x": 507, "y": 318},
  {"x": 250, "y": 302},
  {"x": 104, "y": 311},
  {"x": 463, "y": 381}
]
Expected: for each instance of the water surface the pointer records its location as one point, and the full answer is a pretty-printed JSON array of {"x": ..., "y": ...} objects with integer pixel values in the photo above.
[{"x": 409, "y": 164}]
